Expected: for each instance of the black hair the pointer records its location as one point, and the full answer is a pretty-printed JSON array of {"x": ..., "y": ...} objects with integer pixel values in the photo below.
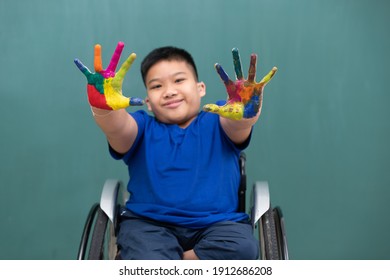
[{"x": 166, "y": 53}]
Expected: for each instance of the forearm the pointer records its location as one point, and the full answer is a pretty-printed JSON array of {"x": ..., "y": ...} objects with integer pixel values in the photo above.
[
  {"x": 238, "y": 130},
  {"x": 118, "y": 126}
]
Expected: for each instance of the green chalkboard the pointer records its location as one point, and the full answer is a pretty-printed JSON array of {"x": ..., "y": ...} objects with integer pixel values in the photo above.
[{"x": 322, "y": 141}]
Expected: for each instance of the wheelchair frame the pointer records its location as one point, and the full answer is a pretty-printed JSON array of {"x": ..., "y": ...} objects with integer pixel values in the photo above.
[{"x": 102, "y": 218}]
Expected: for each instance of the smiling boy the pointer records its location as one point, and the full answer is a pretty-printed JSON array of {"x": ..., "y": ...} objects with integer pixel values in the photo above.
[{"x": 182, "y": 162}]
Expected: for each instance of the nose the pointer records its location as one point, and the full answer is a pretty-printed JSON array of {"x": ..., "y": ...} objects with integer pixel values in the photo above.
[{"x": 170, "y": 92}]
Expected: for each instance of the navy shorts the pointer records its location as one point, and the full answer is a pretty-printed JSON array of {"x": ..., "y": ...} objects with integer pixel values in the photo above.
[{"x": 143, "y": 239}]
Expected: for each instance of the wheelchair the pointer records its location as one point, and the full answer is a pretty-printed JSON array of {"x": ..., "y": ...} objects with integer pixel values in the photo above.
[{"x": 101, "y": 226}]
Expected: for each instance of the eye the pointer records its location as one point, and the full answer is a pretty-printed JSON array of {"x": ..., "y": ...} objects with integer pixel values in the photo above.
[
  {"x": 155, "y": 86},
  {"x": 179, "y": 80}
]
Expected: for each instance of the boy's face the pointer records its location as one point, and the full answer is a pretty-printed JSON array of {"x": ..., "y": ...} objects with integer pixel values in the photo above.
[{"x": 174, "y": 95}]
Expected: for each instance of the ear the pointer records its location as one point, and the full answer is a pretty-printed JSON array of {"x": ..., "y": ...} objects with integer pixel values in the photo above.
[
  {"x": 147, "y": 101},
  {"x": 201, "y": 89}
]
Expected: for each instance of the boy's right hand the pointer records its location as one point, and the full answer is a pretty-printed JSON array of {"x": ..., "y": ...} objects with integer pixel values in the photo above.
[{"x": 105, "y": 86}]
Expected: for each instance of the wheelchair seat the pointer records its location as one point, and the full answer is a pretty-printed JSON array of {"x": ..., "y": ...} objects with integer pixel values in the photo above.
[{"x": 102, "y": 220}]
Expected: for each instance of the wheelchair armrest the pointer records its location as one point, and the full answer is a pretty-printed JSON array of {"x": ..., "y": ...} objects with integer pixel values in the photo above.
[
  {"x": 109, "y": 198},
  {"x": 261, "y": 201}
]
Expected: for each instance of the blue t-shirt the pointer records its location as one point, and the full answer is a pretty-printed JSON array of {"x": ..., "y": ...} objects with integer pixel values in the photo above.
[{"x": 187, "y": 177}]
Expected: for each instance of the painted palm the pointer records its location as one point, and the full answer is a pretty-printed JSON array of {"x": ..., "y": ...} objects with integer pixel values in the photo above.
[
  {"x": 104, "y": 87},
  {"x": 244, "y": 95}
]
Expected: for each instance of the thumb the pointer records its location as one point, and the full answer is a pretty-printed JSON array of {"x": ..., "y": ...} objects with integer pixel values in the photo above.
[{"x": 233, "y": 111}]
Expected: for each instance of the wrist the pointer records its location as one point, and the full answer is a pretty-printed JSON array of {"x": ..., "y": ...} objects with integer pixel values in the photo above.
[{"x": 97, "y": 112}]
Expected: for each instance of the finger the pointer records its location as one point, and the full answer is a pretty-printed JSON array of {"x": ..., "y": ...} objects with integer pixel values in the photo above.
[
  {"x": 82, "y": 68},
  {"x": 252, "y": 68},
  {"x": 222, "y": 73},
  {"x": 237, "y": 64},
  {"x": 124, "y": 102},
  {"x": 212, "y": 108},
  {"x": 136, "y": 101},
  {"x": 125, "y": 67},
  {"x": 269, "y": 76},
  {"x": 98, "y": 58},
  {"x": 232, "y": 111},
  {"x": 115, "y": 57}
]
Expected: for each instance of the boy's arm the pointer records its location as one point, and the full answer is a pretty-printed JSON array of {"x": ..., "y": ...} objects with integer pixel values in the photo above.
[
  {"x": 119, "y": 127},
  {"x": 238, "y": 130},
  {"x": 245, "y": 98},
  {"x": 107, "y": 102}
]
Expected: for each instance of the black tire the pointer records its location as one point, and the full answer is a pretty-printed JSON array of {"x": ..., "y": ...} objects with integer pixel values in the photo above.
[
  {"x": 96, "y": 249},
  {"x": 87, "y": 229},
  {"x": 281, "y": 233},
  {"x": 268, "y": 233}
]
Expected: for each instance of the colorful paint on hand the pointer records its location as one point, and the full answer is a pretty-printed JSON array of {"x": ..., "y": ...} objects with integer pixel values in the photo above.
[
  {"x": 105, "y": 86},
  {"x": 244, "y": 96}
]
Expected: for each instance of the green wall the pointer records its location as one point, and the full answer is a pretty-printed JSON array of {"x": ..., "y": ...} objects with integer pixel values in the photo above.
[{"x": 322, "y": 142}]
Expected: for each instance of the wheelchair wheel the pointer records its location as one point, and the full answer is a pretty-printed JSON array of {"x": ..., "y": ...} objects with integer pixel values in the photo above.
[
  {"x": 281, "y": 233},
  {"x": 86, "y": 232},
  {"x": 272, "y": 235},
  {"x": 103, "y": 241},
  {"x": 268, "y": 237}
]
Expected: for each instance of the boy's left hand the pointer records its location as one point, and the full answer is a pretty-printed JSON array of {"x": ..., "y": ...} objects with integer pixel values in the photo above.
[{"x": 244, "y": 96}]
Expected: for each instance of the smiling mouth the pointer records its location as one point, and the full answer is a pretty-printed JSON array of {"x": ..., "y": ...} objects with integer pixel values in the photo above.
[{"x": 173, "y": 103}]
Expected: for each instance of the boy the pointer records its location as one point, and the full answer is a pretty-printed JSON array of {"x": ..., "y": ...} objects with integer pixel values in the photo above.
[{"x": 183, "y": 164}]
